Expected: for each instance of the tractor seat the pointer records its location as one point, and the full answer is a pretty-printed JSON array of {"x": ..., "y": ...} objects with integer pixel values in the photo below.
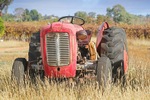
[
  {"x": 81, "y": 35},
  {"x": 84, "y": 37}
]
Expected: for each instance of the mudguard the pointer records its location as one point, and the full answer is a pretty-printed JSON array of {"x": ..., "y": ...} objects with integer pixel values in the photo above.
[{"x": 103, "y": 26}]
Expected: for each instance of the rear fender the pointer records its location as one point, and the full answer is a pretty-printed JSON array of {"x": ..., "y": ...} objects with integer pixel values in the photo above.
[{"x": 103, "y": 26}]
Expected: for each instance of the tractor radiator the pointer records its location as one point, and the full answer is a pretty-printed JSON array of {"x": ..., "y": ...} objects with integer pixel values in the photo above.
[{"x": 57, "y": 49}]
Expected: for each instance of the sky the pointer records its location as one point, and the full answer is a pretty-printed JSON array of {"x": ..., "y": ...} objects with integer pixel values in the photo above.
[{"x": 69, "y": 7}]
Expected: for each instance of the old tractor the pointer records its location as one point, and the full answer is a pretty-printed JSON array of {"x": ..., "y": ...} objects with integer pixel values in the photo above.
[{"x": 64, "y": 49}]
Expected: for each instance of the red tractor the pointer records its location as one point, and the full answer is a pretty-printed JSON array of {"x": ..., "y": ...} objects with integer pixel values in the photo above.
[{"x": 64, "y": 49}]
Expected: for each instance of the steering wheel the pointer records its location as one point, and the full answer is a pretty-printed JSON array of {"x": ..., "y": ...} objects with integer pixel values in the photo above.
[{"x": 72, "y": 19}]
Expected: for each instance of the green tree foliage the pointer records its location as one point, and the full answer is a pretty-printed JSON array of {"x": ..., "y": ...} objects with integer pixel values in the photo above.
[
  {"x": 88, "y": 17},
  {"x": 116, "y": 14},
  {"x": 91, "y": 17},
  {"x": 35, "y": 15},
  {"x": 119, "y": 14},
  {"x": 26, "y": 15},
  {"x": 100, "y": 19},
  {"x": 4, "y": 4},
  {"x": 19, "y": 13},
  {"x": 81, "y": 14},
  {"x": 2, "y": 28},
  {"x": 92, "y": 14},
  {"x": 8, "y": 17}
]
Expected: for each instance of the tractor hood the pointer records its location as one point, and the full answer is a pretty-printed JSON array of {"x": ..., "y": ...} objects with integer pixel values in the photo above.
[
  {"x": 61, "y": 27},
  {"x": 59, "y": 49}
]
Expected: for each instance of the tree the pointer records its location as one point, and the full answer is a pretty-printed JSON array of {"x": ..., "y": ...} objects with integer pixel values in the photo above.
[
  {"x": 119, "y": 14},
  {"x": 109, "y": 12},
  {"x": 100, "y": 19},
  {"x": 91, "y": 17},
  {"x": 4, "y": 4},
  {"x": 92, "y": 14},
  {"x": 81, "y": 14},
  {"x": 19, "y": 13},
  {"x": 8, "y": 17},
  {"x": 26, "y": 15},
  {"x": 35, "y": 15}
]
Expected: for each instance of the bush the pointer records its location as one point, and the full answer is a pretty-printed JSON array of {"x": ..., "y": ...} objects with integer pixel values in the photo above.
[{"x": 2, "y": 28}]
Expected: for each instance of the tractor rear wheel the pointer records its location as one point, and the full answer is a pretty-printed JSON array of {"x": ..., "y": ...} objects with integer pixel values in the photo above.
[
  {"x": 114, "y": 46},
  {"x": 104, "y": 71},
  {"x": 35, "y": 57},
  {"x": 34, "y": 48},
  {"x": 19, "y": 69}
]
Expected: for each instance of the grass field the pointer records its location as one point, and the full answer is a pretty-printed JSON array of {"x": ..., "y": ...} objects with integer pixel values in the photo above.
[{"x": 138, "y": 78}]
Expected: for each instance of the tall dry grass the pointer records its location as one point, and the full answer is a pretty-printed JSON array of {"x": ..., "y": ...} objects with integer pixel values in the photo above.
[{"x": 138, "y": 78}]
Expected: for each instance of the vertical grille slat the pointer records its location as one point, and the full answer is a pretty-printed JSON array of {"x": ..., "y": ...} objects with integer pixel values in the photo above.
[{"x": 57, "y": 46}]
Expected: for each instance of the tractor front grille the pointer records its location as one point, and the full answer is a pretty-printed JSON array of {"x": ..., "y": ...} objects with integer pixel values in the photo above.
[{"x": 57, "y": 46}]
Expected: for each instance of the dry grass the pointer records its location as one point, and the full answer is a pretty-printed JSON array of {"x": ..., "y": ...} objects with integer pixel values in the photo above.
[{"x": 138, "y": 78}]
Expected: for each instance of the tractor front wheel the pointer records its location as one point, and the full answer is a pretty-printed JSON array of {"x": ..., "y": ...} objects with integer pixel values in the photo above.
[
  {"x": 104, "y": 71},
  {"x": 18, "y": 70}
]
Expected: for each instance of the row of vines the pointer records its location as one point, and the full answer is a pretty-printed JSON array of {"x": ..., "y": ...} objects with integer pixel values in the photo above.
[
  {"x": 132, "y": 31},
  {"x": 23, "y": 31},
  {"x": 137, "y": 31}
]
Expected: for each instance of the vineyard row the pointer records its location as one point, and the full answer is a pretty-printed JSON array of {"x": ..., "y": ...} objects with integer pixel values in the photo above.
[{"x": 23, "y": 31}]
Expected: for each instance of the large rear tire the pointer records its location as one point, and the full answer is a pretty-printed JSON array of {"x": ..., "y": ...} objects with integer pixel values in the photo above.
[
  {"x": 35, "y": 57},
  {"x": 34, "y": 48},
  {"x": 104, "y": 71},
  {"x": 114, "y": 46},
  {"x": 19, "y": 69}
]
